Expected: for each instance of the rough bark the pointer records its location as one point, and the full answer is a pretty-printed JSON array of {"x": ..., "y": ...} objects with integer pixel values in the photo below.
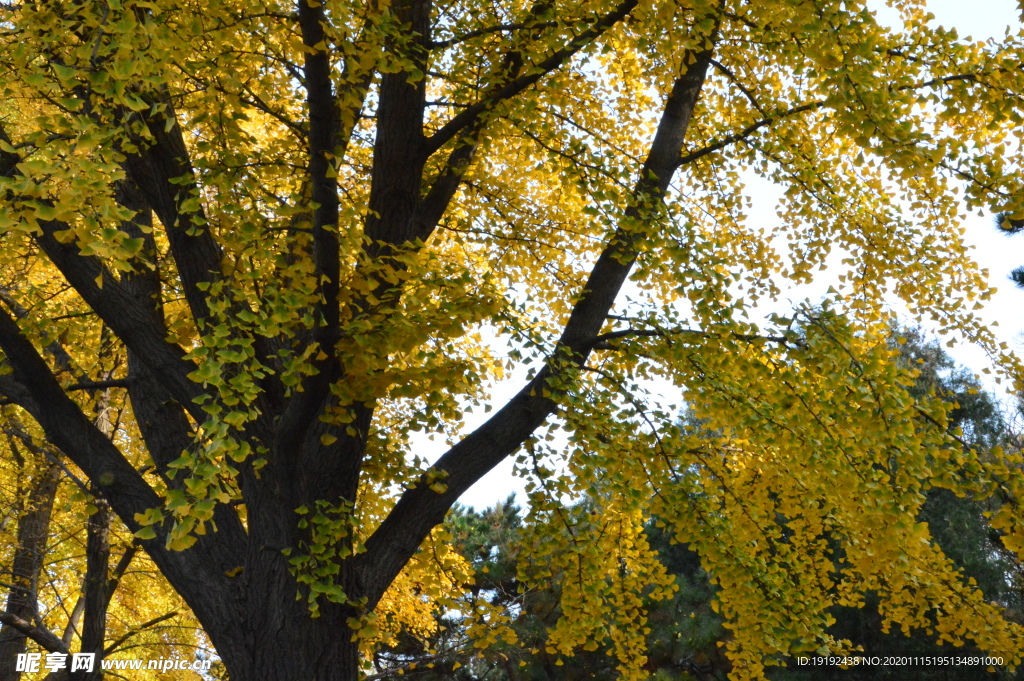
[
  {"x": 96, "y": 589},
  {"x": 33, "y": 530}
]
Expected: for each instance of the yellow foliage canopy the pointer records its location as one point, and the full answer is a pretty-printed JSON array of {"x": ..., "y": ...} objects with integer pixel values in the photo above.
[{"x": 301, "y": 235}]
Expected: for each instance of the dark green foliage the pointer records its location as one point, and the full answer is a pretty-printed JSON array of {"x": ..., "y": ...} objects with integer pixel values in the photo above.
[
  {"x": 960, "y": 529},
  {"x": 976, "y": 414},
  {"x": 1011, "y": 226},
  {"x": 685, "y": 631},
  {"x": 683, "y": 643}
]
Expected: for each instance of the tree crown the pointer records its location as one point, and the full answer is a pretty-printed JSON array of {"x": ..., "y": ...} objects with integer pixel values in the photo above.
[{"x": 288, "y": 238}]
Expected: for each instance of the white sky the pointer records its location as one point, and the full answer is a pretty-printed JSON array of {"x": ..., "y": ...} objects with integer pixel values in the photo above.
[{"x": 999, "y": 254}]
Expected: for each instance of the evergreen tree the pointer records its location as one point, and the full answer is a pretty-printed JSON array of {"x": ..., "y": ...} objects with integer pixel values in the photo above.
[{"x": 1012, "y": 226}]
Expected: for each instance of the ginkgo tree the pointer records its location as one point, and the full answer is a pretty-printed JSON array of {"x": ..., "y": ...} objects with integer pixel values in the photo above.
[
  {"x": 75, "y": 581},
  {"x": 312, "y": 233},
  {"x": 142, "y": 618}
]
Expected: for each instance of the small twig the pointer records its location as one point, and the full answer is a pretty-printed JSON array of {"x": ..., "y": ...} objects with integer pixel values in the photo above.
[
  {"x": 441, "y": 44},
  {"x": 45, "y": 451},
  {"x": 742, "y": 88},
  {"x": 101, "y": 385},
  {"x": 746, "y": 132},
  {"x": 602, "y": 342},
  {"x": 145, "y": 625},
  {"x": 99, "y": 34},
  {"x": 16, "y": 587}
]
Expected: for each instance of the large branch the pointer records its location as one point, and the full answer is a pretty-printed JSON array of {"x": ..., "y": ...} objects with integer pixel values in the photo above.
[
  {"x": 323, "y": 127},
  {"x": 161, "y": 420},
  {"x": 469, "y": 125},
  {"x": 435, "y": 202},
  {"x": 133, "y": 323},
  {"x": 399, "y": 147},
  {"x": 434, "y": 205},
  {"x": 398, "y": 215},
  {"x": 44, "y": 637},
  {"x": 198, "y": 573},
  {"x": 419, "y": 509},
  {"x": 68, "y": 428},
  {"x": 324, "y": 132},
  {"x": 330, "y": 471},
  {"x": 164, "y": 174},
  {"x": 63, "y": 361}
]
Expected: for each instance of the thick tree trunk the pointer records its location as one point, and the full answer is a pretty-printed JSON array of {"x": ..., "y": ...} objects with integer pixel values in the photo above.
[
  {"x": 311, "y": 651},
  {"x": 282, "y": 641},
  {"x": 272, "y": 636}
]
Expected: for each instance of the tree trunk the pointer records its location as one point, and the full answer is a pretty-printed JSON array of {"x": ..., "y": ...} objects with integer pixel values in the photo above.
[
  {"x": 309, "y": 652},
  {"x": 33, "y": 529},
  {"x": 283, "y": 642},
  {"x": 97, "y": 589}
]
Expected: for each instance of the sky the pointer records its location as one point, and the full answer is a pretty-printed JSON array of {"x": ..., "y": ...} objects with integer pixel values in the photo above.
[
  {"x": 998, "y": 253},
  {"x": 995, "y": 252}
]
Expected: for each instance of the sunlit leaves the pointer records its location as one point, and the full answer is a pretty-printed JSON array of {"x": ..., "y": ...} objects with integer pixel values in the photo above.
[{"x": 802, "y": 494}]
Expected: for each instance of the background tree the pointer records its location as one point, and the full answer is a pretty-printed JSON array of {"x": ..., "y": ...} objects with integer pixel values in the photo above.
[
  {"x": 958, "y": 524},
  {"x": 683, "y": 637},
  {"x": 1011, "y": 226},
  {"x": 74, "y": 581},
  {"x": 292, "y": 224},
  {"x": 26, "y": 522}
]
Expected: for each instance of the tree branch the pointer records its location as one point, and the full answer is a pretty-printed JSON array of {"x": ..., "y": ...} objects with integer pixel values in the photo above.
[
  {"x": 19, "y": 432},
  {"x": 137, "y": 630},
  {"x": 164, "y": 174},
  {"x": 399, "y": 152},
  {"x": 131, "y": 322},
  {"x": 435, "y": 203},
  {"x": 487, "y": 30},
  {"x": 100, "y": 385},
  {"x": 67, "y": 428},
  {"x": 44, "y": 637},
  {"x": 324, "y": 128},
  {"x": 747, "y": 132},
  {"x": 505, "y": 90},
  {"x": 120, "y": 569},
  {"x": 739, "y": 84},
  {"x": 421, "y": 508},
  {"x": 161, "y": 419},
  {"x": 603, "y": 342}
]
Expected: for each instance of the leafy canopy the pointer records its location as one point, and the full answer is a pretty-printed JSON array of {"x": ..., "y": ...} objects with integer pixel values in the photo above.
[{"x": 310, "y": 231}]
